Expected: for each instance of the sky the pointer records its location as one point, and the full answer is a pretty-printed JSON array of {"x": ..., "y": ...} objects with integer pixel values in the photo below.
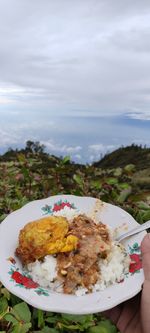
[{"x": 75, "y": 75}]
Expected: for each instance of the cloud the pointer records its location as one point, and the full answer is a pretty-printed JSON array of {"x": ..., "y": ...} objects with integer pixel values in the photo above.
[
  {"x": 14, "y": 134},
  {"x": 98, "y": 148},
  {"x": 8, "y": 139},
  {"x": 77, "y": 157},
  {"x": 84, "y": 139},
  {"x": 139, "y": 115},
  {"x": 61, "y": 149},
  {"x": 85, "y": 57},
  {"x": 4, "y": 100},
  {"x": 97, "y": 151}
]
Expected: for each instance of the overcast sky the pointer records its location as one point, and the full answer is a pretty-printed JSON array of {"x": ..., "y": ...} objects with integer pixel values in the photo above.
[{"x": 72, "y": 58}]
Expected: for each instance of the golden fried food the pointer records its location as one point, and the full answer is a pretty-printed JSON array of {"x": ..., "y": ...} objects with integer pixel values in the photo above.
[{"x": 45, "y": 236}]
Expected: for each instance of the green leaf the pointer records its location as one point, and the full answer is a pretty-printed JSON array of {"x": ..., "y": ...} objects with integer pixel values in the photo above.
[
  {"x": 96, "y": 329},
  {"x": 72, "y": 327},
  {"x": 124, "y": 195},
  {"x": 78, "y": 180},
  {"x": 21, "y": 158},
  {"x": 146, "y": 215},
  {"x": 77, "y": 318},
  {"x": 96, "y": 184},
  {"x": 2, "y": 217},
  {"x": 3, "y": 306},
  {"x": 21, "y": 328},
  {"x": 41, "y": 321},
  {"x": 25, "y": 172},
  {"x": 139, "y": 217},
  {"x": 47, "y": 329},
  {"x": 21, "y": 312},
  {"x": 130, "y": 168},
  {"x": 118, "y": 172},
  {"x": 6, "y": 293},
  {"x": 51, "y": 320},
  {"x": 25, "y": 328},
  {"x": 16, "y": 328},
  {"x": 124, "y": 186},
  {"x": 105, "y": 326},
  {"x": 111, "y": 181},
  {"x": 143, "y": 205},
  {"x": 66, "y": 159},
  {"x": 9, "y": 317}
]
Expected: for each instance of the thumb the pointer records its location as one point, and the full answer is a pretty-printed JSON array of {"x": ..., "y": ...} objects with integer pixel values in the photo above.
[
  {"x": 145, "y": 300},
  {"x": 145, "y": 249}
]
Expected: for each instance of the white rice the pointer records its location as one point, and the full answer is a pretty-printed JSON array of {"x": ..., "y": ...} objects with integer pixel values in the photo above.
[
  {"x": 112, "y": 270},
  {"x": 44, "y": 272},
  {"x": 68, "y": 212}
]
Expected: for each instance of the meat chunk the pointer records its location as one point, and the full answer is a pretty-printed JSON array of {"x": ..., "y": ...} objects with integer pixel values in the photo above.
[{"x": 81, "y": 266}]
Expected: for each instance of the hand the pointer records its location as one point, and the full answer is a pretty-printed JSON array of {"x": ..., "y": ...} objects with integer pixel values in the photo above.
[{"x": 134, "y": 315}]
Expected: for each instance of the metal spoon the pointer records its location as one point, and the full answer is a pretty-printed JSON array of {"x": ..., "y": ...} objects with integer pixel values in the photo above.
[{"x": 134, "y": 231}]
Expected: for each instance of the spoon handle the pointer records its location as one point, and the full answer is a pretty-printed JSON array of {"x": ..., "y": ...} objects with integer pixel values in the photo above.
[{"x": 134, "y": 231}]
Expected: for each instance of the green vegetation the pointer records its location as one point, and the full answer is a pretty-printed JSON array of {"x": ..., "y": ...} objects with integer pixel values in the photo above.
[
  {"x": 133, "y": 154},
  {"x": 21, "y": 318},
  {"x": 31, "y": 174}
]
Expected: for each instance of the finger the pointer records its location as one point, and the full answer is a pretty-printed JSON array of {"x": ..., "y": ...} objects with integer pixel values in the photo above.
[
  {"x": 145, "y": 304},
  {"x": 130, "y": 315},
  {"x": 113, "y": 314},
  {"x": 145, "y": 249}
]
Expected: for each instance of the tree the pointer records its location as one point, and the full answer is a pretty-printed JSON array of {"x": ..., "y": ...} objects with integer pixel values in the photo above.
[{"x": 34, "y": 147}]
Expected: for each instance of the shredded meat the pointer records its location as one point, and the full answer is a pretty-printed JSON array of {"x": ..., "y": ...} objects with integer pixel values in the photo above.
[{"x": 80, "y": 267}]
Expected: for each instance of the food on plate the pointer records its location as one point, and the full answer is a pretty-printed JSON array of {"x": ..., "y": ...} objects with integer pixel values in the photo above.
[
  {"x": 72, "y": 255},
  {"x": 80, "y": 267},
  {"x": 44, "y": 236}
]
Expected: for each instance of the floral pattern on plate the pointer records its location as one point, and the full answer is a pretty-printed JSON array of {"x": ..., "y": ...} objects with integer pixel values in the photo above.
[
  {"x": 57, "y": 206},
  {"x": 24, "y": 279}
]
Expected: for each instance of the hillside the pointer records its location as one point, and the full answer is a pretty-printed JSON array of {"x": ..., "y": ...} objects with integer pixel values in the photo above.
[
  {"x": 31, "y": 174},
  {"x": 133, "y": 154}
]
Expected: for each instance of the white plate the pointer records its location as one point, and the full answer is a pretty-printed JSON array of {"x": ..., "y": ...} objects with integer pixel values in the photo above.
[{"x": 23, "y": 287}]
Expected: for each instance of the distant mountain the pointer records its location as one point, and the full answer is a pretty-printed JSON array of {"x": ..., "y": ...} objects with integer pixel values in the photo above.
[
  {"x": 140, "y": 156},
  {"x": 134, "y": 154}
]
